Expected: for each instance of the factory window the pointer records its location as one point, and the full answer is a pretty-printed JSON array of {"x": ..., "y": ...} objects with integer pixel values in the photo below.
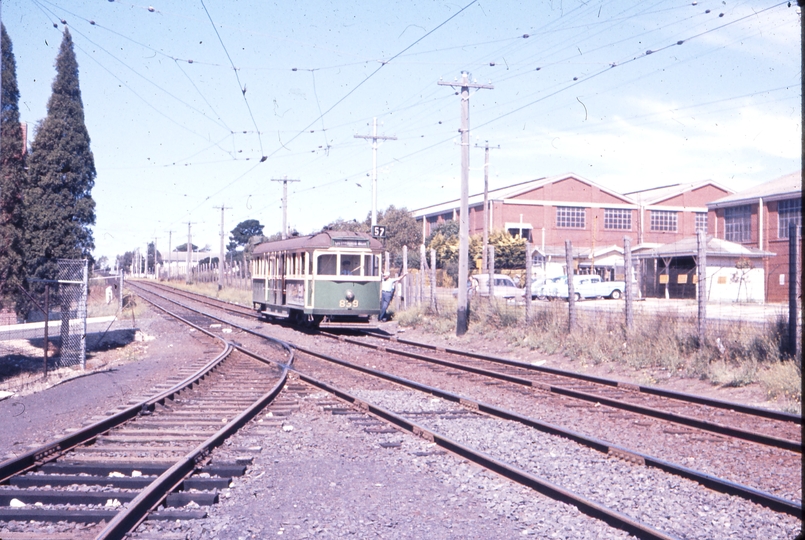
[
  {"x": 738, "y": 223},
  {"x": 617, "y": 219},
  {"x": 789, "y": 211},
  {"x": 701, "y": 221},
  {"x": 571, "y": 217},
  {"x": 663, "y": 221}
]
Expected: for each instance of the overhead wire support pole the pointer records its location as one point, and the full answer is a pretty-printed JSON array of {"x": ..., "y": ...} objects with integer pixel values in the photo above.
[
  {"x": 221, "y": 255},
  {"x": 462, "y": 313},
  {"x": 486, "y": 147},
  {"x": 375, "y": 137},
  {"x": 284, "y": 181}
]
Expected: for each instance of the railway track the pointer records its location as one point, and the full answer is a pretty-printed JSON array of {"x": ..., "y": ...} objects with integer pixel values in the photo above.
[
  {"x": 776, "y": 503},
  {"x": 149, "y": 460}
]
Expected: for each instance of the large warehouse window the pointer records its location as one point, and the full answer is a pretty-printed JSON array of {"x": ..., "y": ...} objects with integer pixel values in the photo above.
[
  {"x": 617, "y": 219},
  {"x": 701, "y": 221},
  {"x": 738, "y": 223},
  {"x": 789, "y": 211},
  {"x": 571, "y": 217},
  {"x": 663, "y": 221}
]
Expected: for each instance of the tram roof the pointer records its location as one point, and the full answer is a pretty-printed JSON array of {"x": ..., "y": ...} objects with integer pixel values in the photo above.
[{"x": 322, "y": 240}]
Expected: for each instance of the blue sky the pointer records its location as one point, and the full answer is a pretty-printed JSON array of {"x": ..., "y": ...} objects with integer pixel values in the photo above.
[{"x": 627, "y": 94}]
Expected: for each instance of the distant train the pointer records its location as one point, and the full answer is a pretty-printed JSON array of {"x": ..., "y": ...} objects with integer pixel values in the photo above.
[{"x": 332, "y": 277}]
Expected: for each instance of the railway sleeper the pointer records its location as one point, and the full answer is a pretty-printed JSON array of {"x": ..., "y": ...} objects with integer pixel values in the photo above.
[{"x": 55, "y": 515}]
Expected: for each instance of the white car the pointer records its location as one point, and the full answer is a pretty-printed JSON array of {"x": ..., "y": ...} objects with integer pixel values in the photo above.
[
  {"x": 502, "y": 287},
  {"x": 584, "y": 286}
]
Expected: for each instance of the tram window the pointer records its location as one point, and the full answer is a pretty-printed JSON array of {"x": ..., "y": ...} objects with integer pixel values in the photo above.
[
  {"x": 326, "y": 265},
  {"x": 350, "y": 265},
  {"x": 370, "y": 269}
]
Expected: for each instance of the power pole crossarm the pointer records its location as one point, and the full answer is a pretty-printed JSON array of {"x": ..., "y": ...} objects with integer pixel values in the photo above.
[
  {"x": 285, "y": 181},
  {"x": 462, "y": 313},
  {"x": 375, "y": 137}
]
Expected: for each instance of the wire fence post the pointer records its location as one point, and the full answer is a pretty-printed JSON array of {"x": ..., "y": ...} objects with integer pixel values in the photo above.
[
  {"x": 701, "y": 285},
  {"x": 794, "y": 341},
  {"x": 405, "y": 280},
  {"x": 571, "y": 293},
  {"x": 627, "y": 276},
  {"x": 491, "y": 262},
  {"x": 45, "y": 343},
  {"x": 422, "y": 265},
  {"x": 527, "y": 294},
  {"x": 433, "y": 280}
]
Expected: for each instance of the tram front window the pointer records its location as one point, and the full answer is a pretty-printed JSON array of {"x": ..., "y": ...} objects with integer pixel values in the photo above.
[
  {"x": 350, "y": 265},
  {"x": 326, "y": 265}
]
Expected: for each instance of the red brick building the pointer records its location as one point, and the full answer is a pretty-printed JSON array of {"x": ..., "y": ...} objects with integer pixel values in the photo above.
[
  {"x": 759, "y": 217},
  {"x": 548, "y": 211}
]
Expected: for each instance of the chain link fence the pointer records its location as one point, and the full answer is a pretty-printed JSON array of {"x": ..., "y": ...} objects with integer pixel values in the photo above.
[{"x": 72, "y": 278}]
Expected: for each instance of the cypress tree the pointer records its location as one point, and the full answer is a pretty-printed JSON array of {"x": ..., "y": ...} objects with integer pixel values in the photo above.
[
  {"x": 12, "y": 177},
  {"x": 58, "y": 204}
]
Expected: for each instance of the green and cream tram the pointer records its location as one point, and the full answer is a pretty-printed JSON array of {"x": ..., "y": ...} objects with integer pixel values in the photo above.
[{"x": 332, "y": 276}]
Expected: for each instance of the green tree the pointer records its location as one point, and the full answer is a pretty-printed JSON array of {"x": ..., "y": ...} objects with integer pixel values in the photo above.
[
  {"x": 57, "y": 200},
  {"x": 401, "y": 230},
  {"x": 12, "y": 178},
  {"x": 351, "y": 225},
  {"x": 244, "y": 231}
]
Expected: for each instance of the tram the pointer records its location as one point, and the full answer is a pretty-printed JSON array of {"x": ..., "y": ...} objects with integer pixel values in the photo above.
[{"x": 332, "y": 277}]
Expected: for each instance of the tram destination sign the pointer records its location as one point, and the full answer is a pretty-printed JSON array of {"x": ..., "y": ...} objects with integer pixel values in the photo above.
[{"x": 379, "y": 231}]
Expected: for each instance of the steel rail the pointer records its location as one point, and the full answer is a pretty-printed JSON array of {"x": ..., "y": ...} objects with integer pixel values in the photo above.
[
  {"x": 53, "y": 450},
  {"x": 587, "y": 506},
  {"x": 148, "y": 499},
  {"x": 776, "y": 442},
  {"x": 681, "y": 396},
  {"x": 771, "y": 501}
]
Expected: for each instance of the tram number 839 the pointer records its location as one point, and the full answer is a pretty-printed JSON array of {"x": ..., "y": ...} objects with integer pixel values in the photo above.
[{"x": 348, "y": 304}]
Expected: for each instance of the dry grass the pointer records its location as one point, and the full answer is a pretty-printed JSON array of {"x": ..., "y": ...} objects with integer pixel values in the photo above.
[
  {"x": 227, "y": 294},
  {"x": 736, "y": 354}
]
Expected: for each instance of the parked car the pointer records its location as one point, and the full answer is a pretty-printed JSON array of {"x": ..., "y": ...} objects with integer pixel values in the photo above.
[
  {"x": 502, "y": 287},
  {"x": 541, "y": 288},
  {"x": 584, "y": 286}
]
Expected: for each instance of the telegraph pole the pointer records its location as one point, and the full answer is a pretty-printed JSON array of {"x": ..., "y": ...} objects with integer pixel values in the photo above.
[
  {"x": 170, "y": 238},
  {"x": 221, "y": 256},
  {"x": 375, "y": 137},
  {"x": 486, "y": 200},
  {"x": 462, "y": 314},
  {"x": 284, "y": 181},
  {"x": 189, "y": 248}
]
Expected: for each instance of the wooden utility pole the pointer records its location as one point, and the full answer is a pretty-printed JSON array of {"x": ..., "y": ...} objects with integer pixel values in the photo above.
[
  {"x": 189, "y": 251},
  {"x": 170, "y": 246},
  {"x": 375, "y": 137},
  {"x": 284, "y": 181},
  {"x": 221, "y": 255},
  {"x": 462, "y": 313},
  {"x": 486, "y": 148}
]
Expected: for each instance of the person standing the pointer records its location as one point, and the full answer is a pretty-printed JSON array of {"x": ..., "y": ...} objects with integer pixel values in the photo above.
[{"x": 387, "y": 293}]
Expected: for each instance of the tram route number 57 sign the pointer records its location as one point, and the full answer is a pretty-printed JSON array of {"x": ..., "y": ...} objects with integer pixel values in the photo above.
[{"x": 379, "y": 231}]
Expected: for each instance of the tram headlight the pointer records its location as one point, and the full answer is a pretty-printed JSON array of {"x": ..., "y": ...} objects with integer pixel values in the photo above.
[{"x": 349, "y": 295}]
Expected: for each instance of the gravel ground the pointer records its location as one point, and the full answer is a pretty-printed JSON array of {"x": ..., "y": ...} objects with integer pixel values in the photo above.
[
  {"x": 323, "y": 476},
  {"x": 326, "y": 477}
]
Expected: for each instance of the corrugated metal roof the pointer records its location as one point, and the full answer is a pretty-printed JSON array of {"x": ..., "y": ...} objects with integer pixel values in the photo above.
[
  {"x": 320, "y": 240},
  {"x": 662, "y": 193},
  {"x": 510, "y": 192},
  {"x": 716, "y": 247},
  {"x": 785, "y": 187}
]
